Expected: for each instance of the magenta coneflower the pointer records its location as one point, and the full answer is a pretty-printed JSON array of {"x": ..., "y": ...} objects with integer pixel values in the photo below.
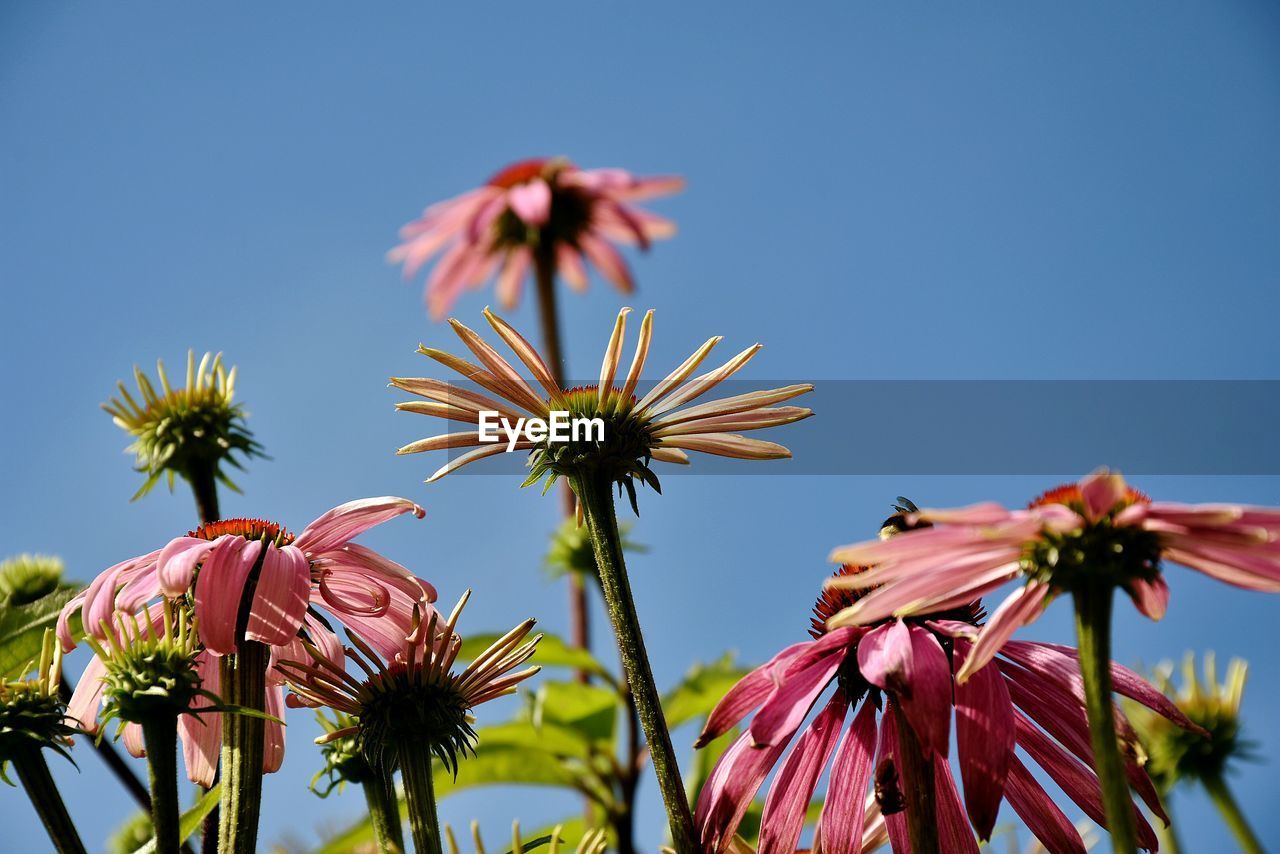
[
  {"x": 251, "y": 580},
  {"x": 1030, "y": 699},
  {"x": 540, "y": 212},
  {"x": 1097, "y": 530}
]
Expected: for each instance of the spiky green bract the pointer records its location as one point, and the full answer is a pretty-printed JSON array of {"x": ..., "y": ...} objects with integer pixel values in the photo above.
[
  {"x": 190, "y": 431},
  {"x": 344, "y": 761},
  {"x": 150, "y": 671},
  {"x": 32, "y": 715},
  {"x": 1175, "y": 754}
]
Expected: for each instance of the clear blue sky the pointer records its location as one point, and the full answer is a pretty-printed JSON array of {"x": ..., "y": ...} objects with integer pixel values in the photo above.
[{"x": 875, "y": 191}]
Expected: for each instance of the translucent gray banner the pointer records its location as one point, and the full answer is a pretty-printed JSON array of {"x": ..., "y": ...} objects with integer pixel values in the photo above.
[{"x": 995, "y": 427}]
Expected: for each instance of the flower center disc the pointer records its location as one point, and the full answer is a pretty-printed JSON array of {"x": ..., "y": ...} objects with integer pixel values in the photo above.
[{"x": 250, "y": 529}]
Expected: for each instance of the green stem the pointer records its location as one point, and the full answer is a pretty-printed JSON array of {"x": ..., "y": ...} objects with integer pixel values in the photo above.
[
  {"x": 204, "y": 486},
  {"x": 244, "y": 683},
  {"x": 1226, "y": 803},
  {"x": 1093, "y": 631},
  {"x": 596, "y": 494},
  {"x": 34, "y": 774},
  {"x": 420, "y": 792},
  {"x": 384, "y": 810},
  {"x": 916, "y": 768},
  {"x": 160, "y": 735},
  {"x": 544, "y": 267}
]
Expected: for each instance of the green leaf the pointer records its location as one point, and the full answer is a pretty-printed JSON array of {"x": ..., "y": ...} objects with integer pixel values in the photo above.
[
  {"x": 700, "y": 690},
  {"x": 552, "y": 652},
  {"x": 589, "y": 710},
  {"x": 192, "y": 819},
  {"x": 533, "y": 844},
  {"x": 22, "y": 628},
  {"x": 508, "y": 766},
  {"x": 548, "y": 737}
]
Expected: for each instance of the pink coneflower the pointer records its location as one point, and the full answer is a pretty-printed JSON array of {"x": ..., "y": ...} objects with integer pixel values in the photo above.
[
  {"x": 251, "y": 580},
  {"x": 1097, "y": 531},
  {"x": 540, "y": 212},
  {"x": 1031, "y": 699},
  {"x": 660, "y": 425}
]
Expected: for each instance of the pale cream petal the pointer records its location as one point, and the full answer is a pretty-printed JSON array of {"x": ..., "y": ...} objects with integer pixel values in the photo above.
[
  {"x": 467, "y": 439},
  {"x": 612, "y": 354},
  {"x": 481, "y": 377},
  {"x": 701, "y": 385},
  {"x": 439, "y": 410},
  {"x": 500, "y": 368},
  {"x": 451, "y": 395},
  {"x": 737, "y": 403},
  {"x": 526, "y": 353},
  {"x": 642, "y": 353},
  {"x": 670, "y": 455},
  {"x": 755, "y": 419},
  {"x": 728, "y": 445},
  {"x": 679, "y": 375},
  {"x": 471, "y": 456}
]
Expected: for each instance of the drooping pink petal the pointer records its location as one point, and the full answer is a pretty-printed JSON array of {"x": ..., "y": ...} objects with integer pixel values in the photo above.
[
  {"x": 984, "y": 741},
  {"x": 220, "y": 590},
  {"x": 730, "y": 789},
  {"x": 273, "y": 744},
  {"x": 177, "y": 563},
  {"x": 201, "y": 735},
  {"x": 788, "y": 706},
  {"x": 953, "y": 828},
  {"x": 1101, "y": 492},
  {"x": 280, "y": 597},
  {"x": 927, "y": 704},
  {"x": 531, "y": 202},
  {"x": 569, "y": 265},
  {"x": 607, "y": 260},
  {"x": 87, "y": 696},
  {"x": 843, "y": 809},
  {"x": 347, "y": 521},
  {"x": 895, "y": 822},
  {"x": 788, "y": 798},
  {"x": 131, "y": 734},
  {"x": 1040, "y": 814},
  {"x": 512, "y": 276},
  {"x": 1021, "y": 607},
  {"x": 1074, "y": 778},
  {"x": 1151, "y": 598},
  {"x": 885, "y": 657},
  {"x": 748, "y": 693}
]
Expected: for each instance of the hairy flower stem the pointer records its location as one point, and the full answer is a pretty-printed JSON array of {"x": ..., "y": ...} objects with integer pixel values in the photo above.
[
  {"x": 244, "y": 683},
  {"x": 1226, "y": 803},
  {"x": 916, "y": 768},
  {"x": 204, "y": 486},
  {"x": 1093, "y": 632},
  {"x": 34, "y": 775},
  {"x": 596, "y": 494},
  {"x": 384, "y": 811},
  {"x": 420, "y": 792},
  {"x": 545, "y": 273},
  {"x": 160, "y": 735}
]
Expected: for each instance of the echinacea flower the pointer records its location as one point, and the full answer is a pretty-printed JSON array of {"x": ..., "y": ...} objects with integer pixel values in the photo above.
[
  {"x": 1099, "y": 531},
  {"x": 190, "y": 431},
  {"x": 414, "y": 694},
  {"x": 1177, "y": 756},
  {"x": 542, "y": 213},
  {"x": 1214, "y": 706},
  {"x": 1031, "y": 699},
  {"x": 251, "y": 580},
  {"x": 411, "y": 708},
  {"x": 660, "y": 425}
]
